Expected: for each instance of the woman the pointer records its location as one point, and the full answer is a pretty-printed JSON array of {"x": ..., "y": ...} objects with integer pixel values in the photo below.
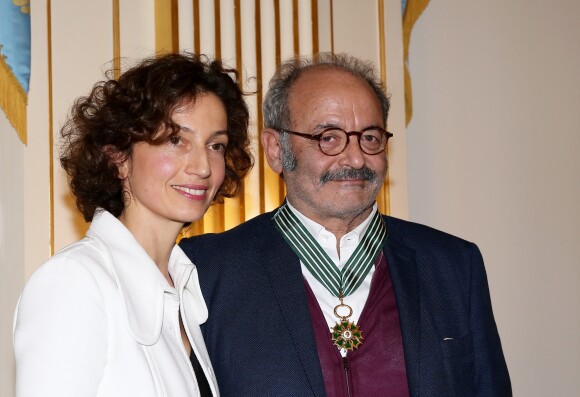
[{"x": 118, "y": 313}]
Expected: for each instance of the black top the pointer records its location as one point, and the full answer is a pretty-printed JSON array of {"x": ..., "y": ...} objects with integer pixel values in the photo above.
[{"x": 204, "y": 390}]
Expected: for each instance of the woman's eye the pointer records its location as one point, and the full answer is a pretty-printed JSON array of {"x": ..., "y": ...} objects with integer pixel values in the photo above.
[
  {"x": 218, "y": 147},
  {"x": 175, "y": 140}
]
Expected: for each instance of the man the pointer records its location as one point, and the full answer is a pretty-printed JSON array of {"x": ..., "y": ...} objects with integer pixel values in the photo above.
[{"x": 324, "y": 296}]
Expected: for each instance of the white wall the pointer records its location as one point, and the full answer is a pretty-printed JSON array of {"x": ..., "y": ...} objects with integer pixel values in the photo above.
[
  {"x": 11, "y": 245},
  {"x": 493, "y": 154}
]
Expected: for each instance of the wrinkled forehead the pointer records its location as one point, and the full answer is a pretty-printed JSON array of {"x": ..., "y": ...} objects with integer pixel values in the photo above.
[{"x": 322, "y": 85}]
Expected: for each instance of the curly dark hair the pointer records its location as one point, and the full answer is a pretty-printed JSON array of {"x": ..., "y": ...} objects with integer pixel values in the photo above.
[{"x": 135, "y": 107}]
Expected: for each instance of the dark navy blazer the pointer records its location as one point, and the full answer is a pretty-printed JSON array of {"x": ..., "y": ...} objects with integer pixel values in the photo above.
[{"x": 259, "y": 334}]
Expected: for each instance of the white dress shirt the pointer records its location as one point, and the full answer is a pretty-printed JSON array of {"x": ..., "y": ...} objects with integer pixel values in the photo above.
[
  {"x": 348, "y": 243},
  {"x": 99, "y": 319}
]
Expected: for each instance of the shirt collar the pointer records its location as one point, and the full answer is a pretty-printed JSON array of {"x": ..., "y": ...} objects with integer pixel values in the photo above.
[
  {"x": 316, "y": 229},
  {"x": 141, "y": 284}
]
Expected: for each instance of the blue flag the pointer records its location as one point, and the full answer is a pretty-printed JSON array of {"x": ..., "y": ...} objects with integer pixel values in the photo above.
[{"x": 15, "y": 61}]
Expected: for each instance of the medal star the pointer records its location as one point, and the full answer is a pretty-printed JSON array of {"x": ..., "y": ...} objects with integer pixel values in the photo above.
[{"x": 346, "y": 335}]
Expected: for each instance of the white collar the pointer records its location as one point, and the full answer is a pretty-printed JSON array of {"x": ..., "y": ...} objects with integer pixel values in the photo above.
[
  {"x": 315, "y": 228},
  {"x": 141, "y": 284}
]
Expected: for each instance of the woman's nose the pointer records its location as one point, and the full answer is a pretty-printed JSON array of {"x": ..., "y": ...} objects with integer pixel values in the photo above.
[{"x": 198, "y": 163}]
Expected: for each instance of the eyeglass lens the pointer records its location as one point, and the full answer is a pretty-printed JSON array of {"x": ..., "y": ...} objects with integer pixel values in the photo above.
[{"x": 334, "y": 141}]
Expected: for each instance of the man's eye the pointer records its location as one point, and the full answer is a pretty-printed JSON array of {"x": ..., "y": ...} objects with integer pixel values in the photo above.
[
  {"x": 370, "y": 138},
  {"x": 331, "y": 137},
  {"x": 175, "y": 140}
]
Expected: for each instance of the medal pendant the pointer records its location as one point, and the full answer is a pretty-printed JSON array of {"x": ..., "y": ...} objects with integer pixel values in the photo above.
[{"x": 346, "y": 335}]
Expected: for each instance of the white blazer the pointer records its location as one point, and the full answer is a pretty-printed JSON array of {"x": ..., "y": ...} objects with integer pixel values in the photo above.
[{"x": 99, "y": 319}]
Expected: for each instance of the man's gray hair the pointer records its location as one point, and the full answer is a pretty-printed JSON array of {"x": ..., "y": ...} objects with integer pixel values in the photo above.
[{"x": 275, "y": 105}]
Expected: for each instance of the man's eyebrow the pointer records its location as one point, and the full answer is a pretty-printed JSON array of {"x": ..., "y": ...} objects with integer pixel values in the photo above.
[
  {"x": 323, "y": 126},
  {"x": 326, "y": 125}
]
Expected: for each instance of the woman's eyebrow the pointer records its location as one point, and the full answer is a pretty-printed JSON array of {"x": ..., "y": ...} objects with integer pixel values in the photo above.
[{"x": 215, "y": 133}]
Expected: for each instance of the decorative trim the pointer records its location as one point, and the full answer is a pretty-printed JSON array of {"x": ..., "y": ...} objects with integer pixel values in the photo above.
[
  {"x": 196, "y": 38},
  {"x": 217, "y": 28},
  {"x": 239, "y": 66},
  {"x": 315, "y": 38},
  {"x": 218, "y": 209},
  {"x": 331, "y": 26},
  {"x": 116, "y": 40},
  {"x": 50, "y": 129},
  {"x": 259, "y": 98},
  {"x": 13, "y": 99},
  {"x": 277, "y": 32},
  {"x": 384, "y": 197},
  {"x": 296, "y": 27},
  {"x": 412, "y": 13},
  {"x": 382, "y": 42},
  {"x": 166, "y": 26}
]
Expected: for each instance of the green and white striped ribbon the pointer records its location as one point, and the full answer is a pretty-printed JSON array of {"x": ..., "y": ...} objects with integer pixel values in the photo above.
[{"x": 319, "y": 263}]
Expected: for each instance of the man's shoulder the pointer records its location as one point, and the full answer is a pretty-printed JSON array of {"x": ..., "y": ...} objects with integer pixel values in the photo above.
[
  {"x": 241, "y": 233},
  {"x": 413, "y": 234}
]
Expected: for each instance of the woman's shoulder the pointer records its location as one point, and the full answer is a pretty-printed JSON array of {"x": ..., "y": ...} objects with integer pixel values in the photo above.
[{"x": 76, "y": 267}]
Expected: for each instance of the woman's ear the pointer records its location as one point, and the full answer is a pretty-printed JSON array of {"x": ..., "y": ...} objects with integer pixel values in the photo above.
[
  {"x": 119, "y": 159},
  {"x": 271, "y": 144}
]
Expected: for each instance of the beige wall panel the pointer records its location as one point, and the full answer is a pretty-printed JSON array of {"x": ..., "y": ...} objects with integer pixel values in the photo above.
[
  {"x": 324, "y": 30},
  {"x": 493, "y": 157},
  {"x": 33, "y": 207},
  {"x": 82, "y": 47},
  {"x": 398, "y": 189},
  {"x": 185, "y": 25},
  {"x": 356, "y": 29},
  {"x": 305, "y": 26},
  {"x": 137, "y": 22},
  {"x": 228, "y": 32},
  {"x": 207, "y": 26},
  {"x": 11, "y": 244},
  {"x": 286, "y": 29},
  {"x": 268, "y": 42},
  {"x": 36, "y": 154}
]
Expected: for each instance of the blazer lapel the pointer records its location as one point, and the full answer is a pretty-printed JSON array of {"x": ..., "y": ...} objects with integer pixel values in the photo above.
[
  {"x": 283, "y": 269},
  {"x": 403, "y": 270}
]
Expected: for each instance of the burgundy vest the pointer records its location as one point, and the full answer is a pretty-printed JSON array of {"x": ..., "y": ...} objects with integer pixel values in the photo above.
[{"x": 377, "y": 367}]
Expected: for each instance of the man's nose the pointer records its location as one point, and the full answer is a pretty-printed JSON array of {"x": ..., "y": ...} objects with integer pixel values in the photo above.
[{"x": 353, "y": 156}]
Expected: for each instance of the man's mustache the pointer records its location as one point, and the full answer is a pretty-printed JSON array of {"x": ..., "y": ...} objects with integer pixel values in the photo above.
[{"x": 365, "y": 174}]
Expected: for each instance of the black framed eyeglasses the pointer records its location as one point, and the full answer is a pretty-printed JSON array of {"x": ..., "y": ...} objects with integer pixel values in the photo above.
[{"x": 333, "y": 141}]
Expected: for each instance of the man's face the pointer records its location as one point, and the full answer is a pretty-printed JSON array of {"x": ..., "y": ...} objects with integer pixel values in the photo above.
[{"x": 342, "y": 187}]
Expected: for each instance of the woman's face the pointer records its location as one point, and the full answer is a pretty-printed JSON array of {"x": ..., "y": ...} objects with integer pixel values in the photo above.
[{"x": 175, "y": 182}]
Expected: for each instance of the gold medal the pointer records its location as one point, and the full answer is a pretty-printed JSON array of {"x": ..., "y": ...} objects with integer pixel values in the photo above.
[{"x": 345, "y": 334}]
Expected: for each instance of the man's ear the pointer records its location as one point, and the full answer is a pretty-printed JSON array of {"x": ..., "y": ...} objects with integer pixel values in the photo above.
[
  {"x": 119, "y": 159},
  {"x": 271, "y": 144}
]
